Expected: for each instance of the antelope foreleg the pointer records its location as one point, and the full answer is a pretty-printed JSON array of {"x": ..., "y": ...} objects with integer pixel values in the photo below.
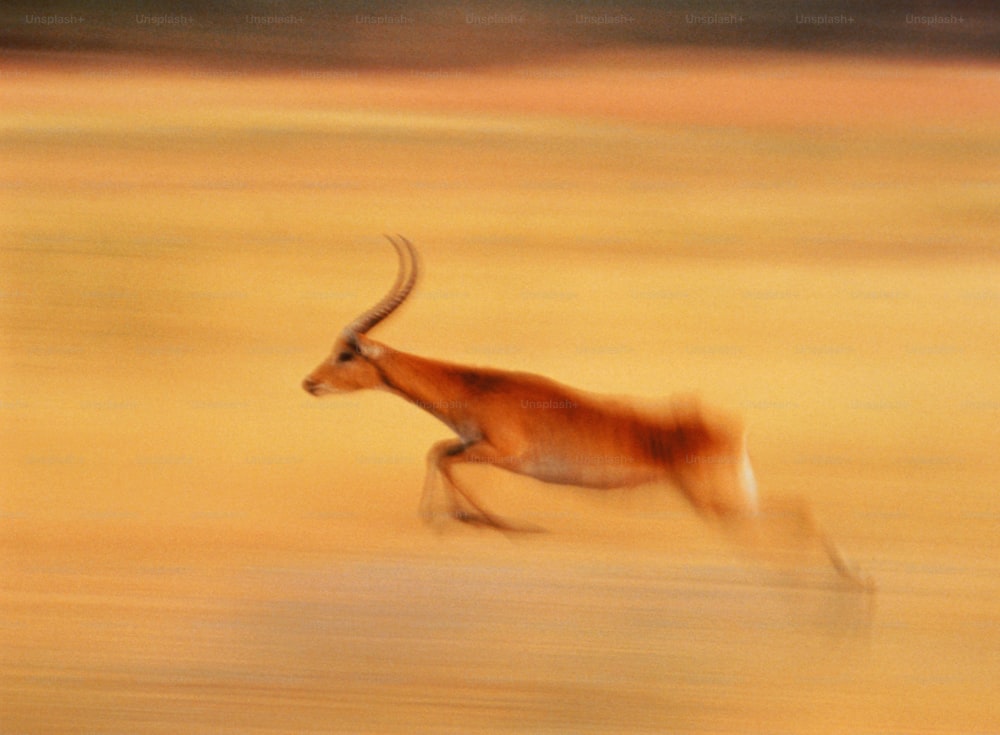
[
  {"x": 463, "y": 506},
  {"x": 427, "y": 510}
]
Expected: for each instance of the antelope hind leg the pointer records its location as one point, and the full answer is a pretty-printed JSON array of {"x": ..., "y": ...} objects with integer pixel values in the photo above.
[{"x": 784, "y": 532}]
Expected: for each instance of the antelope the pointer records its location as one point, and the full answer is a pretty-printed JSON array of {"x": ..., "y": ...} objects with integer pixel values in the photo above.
[{"x": 532, "y": 425}]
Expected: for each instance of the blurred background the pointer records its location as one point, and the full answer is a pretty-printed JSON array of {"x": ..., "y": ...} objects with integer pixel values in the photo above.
[
  {"x": 410, "y": 34},
  {"x": 789, "y": 211}
]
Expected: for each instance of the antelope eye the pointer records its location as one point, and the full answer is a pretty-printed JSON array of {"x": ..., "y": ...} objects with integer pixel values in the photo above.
[{"x": 345, "y": 356}]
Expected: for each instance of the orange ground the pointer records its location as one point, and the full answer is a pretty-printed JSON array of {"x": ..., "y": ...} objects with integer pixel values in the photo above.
[{"x": 191, "y": 543}]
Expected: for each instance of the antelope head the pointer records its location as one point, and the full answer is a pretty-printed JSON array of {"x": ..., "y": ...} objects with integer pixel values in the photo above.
[{"x": 349, "y": 365}]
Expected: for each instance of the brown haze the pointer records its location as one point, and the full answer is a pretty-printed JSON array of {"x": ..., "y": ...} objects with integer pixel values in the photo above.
[{"x": 190, "y": 543}]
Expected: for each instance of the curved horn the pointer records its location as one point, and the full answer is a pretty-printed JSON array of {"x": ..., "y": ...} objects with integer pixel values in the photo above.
[{"x": 396, "y": 295}]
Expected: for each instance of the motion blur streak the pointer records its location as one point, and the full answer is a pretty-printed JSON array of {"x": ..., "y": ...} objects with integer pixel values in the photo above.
[{"x": 189, "y": 543}]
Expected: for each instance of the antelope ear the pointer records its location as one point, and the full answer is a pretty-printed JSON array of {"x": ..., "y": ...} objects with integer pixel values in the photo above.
[{"x": 364, "y": 346}]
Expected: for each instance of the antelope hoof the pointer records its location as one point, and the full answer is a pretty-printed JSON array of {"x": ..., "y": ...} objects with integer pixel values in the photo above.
[
  {"x": 474, "y": 519},
  {"x": 478, "y": 519},
  {"x": 863, "y": 581}
]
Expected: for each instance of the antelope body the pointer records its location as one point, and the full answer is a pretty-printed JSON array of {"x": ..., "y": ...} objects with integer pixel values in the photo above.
[{"x": 534, "y": 426}]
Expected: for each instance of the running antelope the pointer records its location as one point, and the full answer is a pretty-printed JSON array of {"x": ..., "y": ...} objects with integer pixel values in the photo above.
[{"x": 537, "y": 427}]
